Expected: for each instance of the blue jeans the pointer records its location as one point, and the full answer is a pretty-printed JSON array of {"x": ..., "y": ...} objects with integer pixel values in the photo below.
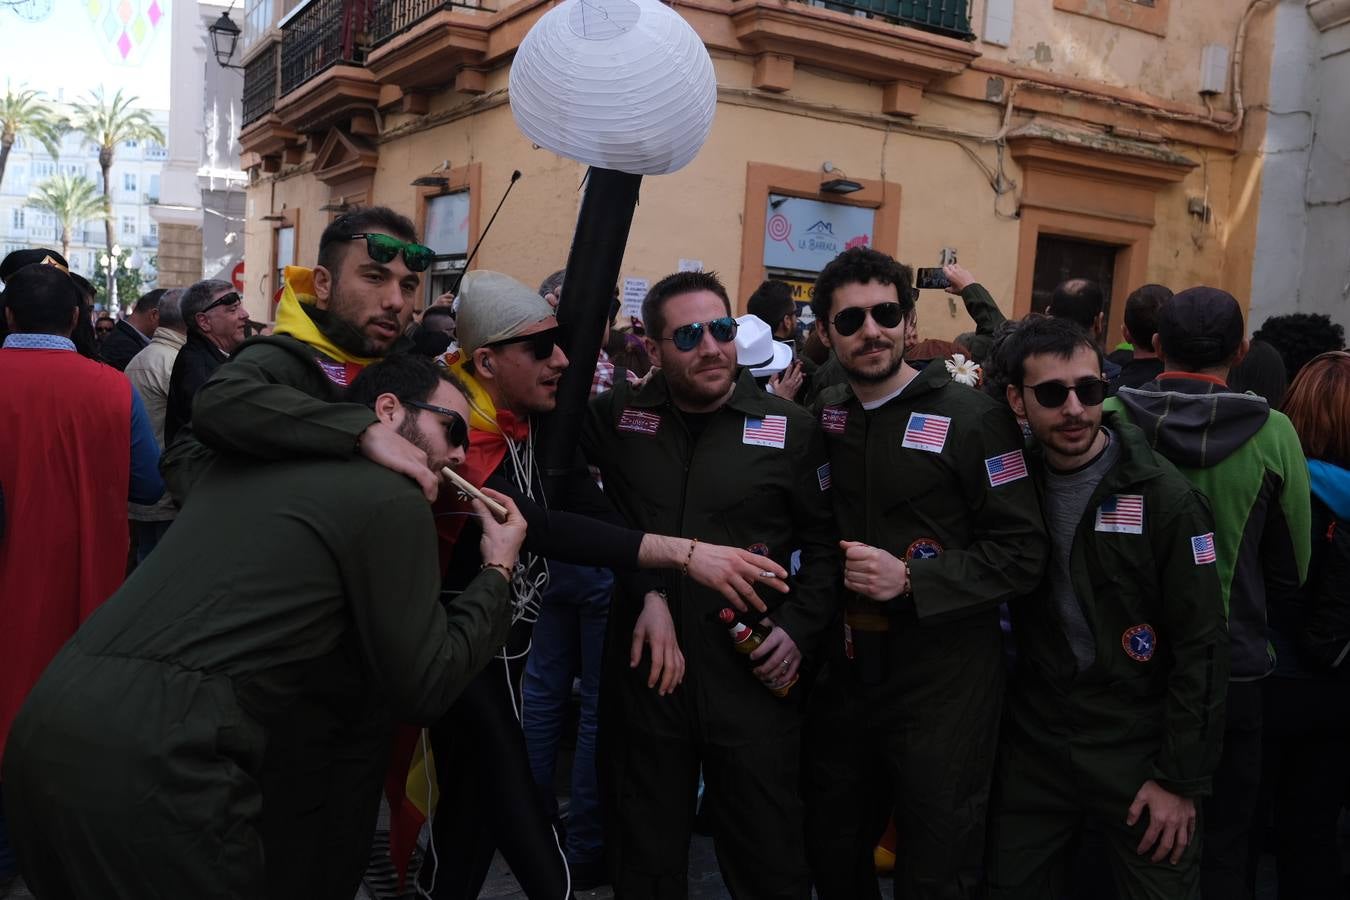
[
  {"x": 569, "y": 640},
  {"x": 148, "y": 534}
]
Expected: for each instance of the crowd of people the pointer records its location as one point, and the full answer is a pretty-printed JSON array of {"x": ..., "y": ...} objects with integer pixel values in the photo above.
[{"x": 1044, "y": 621}]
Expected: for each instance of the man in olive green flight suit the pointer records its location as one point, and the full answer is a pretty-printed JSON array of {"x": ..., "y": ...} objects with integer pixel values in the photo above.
[
  {"x": 700, "y": 451},
  {"x": 941, "y": 525},
  {"x": 135, "y": 767},
  {"x": 1115, "y": 713}
]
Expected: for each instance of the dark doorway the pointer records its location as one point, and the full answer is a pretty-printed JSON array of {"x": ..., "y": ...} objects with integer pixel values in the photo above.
[{"x": 1059, "y": 258}]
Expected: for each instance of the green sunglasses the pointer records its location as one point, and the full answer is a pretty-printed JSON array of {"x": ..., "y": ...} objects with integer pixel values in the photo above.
[{"x": 383, "y": 248}]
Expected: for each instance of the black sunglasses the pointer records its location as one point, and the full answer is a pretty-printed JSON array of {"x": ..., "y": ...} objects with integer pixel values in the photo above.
[
  {"x": 383, "y": 248},
  {"x": 455, "y": 429},
  {"x": 886, "y": 315},
  {"x": 223, "y": 300},
  {"x": 687, "y": 337},
  {"x": 541, "y": 342},
  {"x": 1053, "y": 394}
]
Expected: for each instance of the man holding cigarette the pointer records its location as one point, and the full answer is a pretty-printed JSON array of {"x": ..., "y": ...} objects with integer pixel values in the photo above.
[{"x": 136, "y": 767}]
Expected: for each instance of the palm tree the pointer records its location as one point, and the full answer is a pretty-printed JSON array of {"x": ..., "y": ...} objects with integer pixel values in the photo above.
[
  {"x": 23, "y": 112},
  {"x": 72, "y": 199},
  {"x": 105, "y": 124}
]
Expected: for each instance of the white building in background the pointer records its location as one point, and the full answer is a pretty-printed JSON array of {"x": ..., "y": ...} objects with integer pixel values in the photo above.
[
  {"x": 137, "y": 177},
  {"x": 200, "y": 210},
  {"x": 1303, "y": 236}
]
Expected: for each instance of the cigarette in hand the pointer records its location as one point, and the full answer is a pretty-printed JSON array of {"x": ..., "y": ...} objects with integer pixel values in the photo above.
[{"x": 497, "y": 509}]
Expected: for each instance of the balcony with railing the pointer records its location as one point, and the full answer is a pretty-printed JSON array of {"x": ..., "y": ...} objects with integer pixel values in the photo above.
[
  {"x": 949, "y": 17},
  {"x": 260, "y": 84},
  {"x": 319, "y": 35},
  {"x": 390, "y": 18}
]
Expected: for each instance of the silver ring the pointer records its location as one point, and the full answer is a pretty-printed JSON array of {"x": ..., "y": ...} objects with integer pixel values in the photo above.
[
  {"x": 786, "y": 663},
  {"x": 767, "y": 574}
]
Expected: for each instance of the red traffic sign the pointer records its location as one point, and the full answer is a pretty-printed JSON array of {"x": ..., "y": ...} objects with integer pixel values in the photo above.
[{"x": 237, "y": 276}]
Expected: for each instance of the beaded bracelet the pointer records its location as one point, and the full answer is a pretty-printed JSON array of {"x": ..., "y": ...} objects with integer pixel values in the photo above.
[{"x": 693, "y": 542}]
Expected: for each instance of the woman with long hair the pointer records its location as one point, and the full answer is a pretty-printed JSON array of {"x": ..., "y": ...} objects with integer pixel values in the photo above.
[{"x": 1307, "y": 702}]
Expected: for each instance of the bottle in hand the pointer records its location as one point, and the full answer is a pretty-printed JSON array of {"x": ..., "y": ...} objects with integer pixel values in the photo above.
[{"x": 746, "y": 639}]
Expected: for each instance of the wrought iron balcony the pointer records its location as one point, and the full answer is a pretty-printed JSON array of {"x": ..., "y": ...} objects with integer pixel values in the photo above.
[
  {"x": 260, "y": 84},
  {"x": 389, "y": 18},
  {"x": 949, "y": 17},
  {"x": 321, "y": 34}
]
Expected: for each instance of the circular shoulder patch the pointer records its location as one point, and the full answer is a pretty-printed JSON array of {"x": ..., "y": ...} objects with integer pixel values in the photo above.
[
  {"x": 759, "y": 549},
  {"x": 1139, "y": 642},
  {"x": 923, "y": 548}
]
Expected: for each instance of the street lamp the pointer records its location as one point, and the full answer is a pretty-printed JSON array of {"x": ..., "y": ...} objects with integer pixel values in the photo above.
[{"x": 224, "y": 35}]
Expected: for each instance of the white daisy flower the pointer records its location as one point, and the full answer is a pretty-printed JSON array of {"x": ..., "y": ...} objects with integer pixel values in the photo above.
[{"x": 965, "y": 371}]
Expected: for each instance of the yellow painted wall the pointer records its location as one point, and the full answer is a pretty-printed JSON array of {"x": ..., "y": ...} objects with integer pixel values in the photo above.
[{"x": 946, "y": 198}]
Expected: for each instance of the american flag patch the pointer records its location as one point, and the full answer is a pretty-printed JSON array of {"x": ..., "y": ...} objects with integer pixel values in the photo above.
[
  {"x": 336, "y": 372},
  {"x": 1202, "y": 548},
  {"x": 926, "y": 432},
  {"x": 770, "y": 431},
  {"x": 1008, "y": 467},
  {"x": 1121, "y": 514},
  {"x": 823, "y": 476},
  {"x": 639, "y": 421},
  {"x": 834, "y": 419}
]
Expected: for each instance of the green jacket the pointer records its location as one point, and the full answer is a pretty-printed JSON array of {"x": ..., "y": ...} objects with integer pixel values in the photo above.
[
  {"x": 1161, "y": 665},
  {"x": 952, "y": 506},
  {"x": 283, "y": 589},
  {"x": 986, "y": 315},
  {"x": 732, "y": 486},
  {"x": 1247, "y": 459},
  {"x": 275, "y": 399}
]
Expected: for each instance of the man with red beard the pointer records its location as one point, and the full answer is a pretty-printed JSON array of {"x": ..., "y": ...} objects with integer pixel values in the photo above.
[
  {"x": 941, "y": 525},
  {"x": 701, "y": 451}
]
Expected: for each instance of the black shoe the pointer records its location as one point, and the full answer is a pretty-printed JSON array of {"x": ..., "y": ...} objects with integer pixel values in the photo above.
[{"x": 587, "y": 876}]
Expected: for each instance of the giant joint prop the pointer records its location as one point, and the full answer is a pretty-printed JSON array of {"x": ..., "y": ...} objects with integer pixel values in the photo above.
[{"x": 626, "y": 87}]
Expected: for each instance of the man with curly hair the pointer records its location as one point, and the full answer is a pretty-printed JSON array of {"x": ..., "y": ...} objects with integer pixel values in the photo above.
[
  {"x": 1301, "y": 336},
  {"x": 940, "y": 524}
]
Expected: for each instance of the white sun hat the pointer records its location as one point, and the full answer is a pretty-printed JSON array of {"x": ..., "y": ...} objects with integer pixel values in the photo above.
[
  {"x": 619, "y": 84},
  {"x": 757, "y": 350}
]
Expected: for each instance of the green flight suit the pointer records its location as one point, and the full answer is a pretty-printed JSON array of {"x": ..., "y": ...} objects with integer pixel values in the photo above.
[
  {"x": 755, "y": 477},
  {"x": 134, "y": 769},
  {"x": 906, "y": 717},
  {"x": 1078, "y": 745}
]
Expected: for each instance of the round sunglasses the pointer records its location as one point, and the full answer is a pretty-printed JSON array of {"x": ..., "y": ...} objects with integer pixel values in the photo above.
[
  {"x": 1054, "y": 394},
  {"x": 383, "y": 248},
  {"x": 687, "y": 337},
  {"x": 886, "y": 315},
  {"x": 456, "y": 432}
]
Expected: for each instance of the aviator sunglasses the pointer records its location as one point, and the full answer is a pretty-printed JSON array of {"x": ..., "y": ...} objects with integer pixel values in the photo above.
[
  {"x": 455, "y": 429},
  {"x": 223, "y": 300},
  {"x": 687, "y": 337},
  {"x": 886, "y": 315},
  {"x": 1053, "y": 394},
  {"x": 383, "y": 248},
  {"x": 541, "y": 343}
]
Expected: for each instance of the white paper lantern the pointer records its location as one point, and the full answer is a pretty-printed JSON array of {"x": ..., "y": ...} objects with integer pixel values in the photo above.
[{"x": 619, "y": 84}]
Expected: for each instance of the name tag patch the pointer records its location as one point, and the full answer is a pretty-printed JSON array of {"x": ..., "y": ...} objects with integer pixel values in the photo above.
[
  {"x": 834, "y": 419},
  {"x": 823, "y": 476},
  {"x": 770, "y": 431},
  {"x": 1121, "y": 514},
  {"x": 926, "y": 432},
  {"x": 1006, "y": 467},
  {"x": 639, "y": 421},
  {"x": 1202, "y": 549}
]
